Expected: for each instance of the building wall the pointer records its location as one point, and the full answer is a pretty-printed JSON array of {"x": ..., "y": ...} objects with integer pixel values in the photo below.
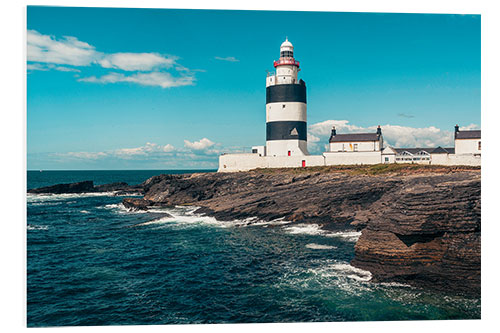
[
  {"x": 453, "y": 159},
  {"x": 281, "y": 148},
  {"x": 391, "y": 158},
  {"x": 349, "y": 158},
  {"x": 467, "y": 146},
  {"x": 295, "y": 111},
  {"x": 349, "y": 146},
  {"x": 245, "y": 162},
  {"x": 286, "y": 74}
]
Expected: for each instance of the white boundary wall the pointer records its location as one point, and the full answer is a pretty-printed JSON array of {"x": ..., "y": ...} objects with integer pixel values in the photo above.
[
  {"x": 245, "y": 162},
  {"x": 452, "y": 159},
  {"x": 350, "y": 158}
]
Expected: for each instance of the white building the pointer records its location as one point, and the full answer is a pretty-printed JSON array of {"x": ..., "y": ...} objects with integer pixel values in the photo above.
[
  {"x": 354, "y": 148},
  {"x": 286, "y": 134}
]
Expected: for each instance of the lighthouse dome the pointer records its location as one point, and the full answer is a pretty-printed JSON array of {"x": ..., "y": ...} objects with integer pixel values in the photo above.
[{"x": 286, "y": 46}]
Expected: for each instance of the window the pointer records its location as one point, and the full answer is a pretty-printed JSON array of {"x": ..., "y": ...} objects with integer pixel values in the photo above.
[
  {"x": 387, "y": 159},
  {"x": 479, "y": 145},
  {"x": 283, "y": 106},
  {"x": 254, "y": 151},
  {"x": 355, "y": 147}
]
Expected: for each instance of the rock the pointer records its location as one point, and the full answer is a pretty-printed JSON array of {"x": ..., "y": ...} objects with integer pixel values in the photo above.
[
  {"x": 136, "y": 203},
  {"x": 88, "y": 187},
  {"x": 121, "y": 188},
  {"x": 80, "y": 187}
]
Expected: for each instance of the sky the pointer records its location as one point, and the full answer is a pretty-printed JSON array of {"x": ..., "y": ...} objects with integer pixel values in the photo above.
[{"x": 111, "y": 88}]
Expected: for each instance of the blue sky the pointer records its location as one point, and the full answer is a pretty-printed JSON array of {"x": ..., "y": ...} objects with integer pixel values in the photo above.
[{"x": 171, "y": 89}]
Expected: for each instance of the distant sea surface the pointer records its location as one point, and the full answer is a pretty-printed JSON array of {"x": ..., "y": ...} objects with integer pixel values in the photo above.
[{"x": 90, "y": 261}]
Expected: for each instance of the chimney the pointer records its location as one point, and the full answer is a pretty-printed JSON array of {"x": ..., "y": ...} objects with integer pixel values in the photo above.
[
  {"x": 379, "y": 131},
  {"x": 334, "y": 132},
  {"x": 456, "y": 130}
]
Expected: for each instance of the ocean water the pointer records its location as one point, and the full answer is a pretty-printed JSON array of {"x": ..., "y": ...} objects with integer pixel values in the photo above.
[{"x": 90, "y": 261}]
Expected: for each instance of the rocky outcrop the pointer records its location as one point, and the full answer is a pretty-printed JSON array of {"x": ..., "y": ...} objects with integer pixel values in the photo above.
[
  {"x": 88, "y": 187},
  {"x": 429, "y": 232},
  {"x": 420, "y": 227},
  {"x": 80, "y": 187}
]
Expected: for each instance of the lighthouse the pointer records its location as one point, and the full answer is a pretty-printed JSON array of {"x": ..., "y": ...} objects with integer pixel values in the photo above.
[{"x": 286, "y": 107}]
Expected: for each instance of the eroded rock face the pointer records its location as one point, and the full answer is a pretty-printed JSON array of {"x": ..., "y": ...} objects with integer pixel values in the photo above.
[
  {"x": 422, "y": 228},
  {"x": 428, "y": 232}
]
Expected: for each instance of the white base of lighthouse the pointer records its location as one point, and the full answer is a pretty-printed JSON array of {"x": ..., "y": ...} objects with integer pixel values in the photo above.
[{"x": 286, "y": 148}]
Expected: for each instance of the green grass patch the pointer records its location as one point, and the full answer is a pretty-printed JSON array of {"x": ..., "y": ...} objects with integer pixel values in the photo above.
[{"x": 375, "y": 169}]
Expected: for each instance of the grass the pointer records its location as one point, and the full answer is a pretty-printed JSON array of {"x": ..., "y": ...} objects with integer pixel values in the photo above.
[{"x": 375, "y": 169}]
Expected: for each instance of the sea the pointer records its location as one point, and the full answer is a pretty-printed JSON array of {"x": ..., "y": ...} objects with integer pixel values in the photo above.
[{"x": 90, "y": 261}]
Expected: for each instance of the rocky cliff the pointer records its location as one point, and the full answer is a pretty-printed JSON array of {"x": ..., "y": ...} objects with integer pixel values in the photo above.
[{"x": 420, "y": 225}]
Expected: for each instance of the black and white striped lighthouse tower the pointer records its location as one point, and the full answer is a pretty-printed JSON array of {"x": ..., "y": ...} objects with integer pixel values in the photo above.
[{"x": 286, "y": 107}]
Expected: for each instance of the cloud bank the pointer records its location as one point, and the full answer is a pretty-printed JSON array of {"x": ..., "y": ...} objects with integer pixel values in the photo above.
[
  {"x": 148, "y": 69},
  {"x": 394, "y": 135}
]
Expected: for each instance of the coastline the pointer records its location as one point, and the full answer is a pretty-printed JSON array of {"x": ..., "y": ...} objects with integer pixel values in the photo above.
[{"x": 419, "y": 225}]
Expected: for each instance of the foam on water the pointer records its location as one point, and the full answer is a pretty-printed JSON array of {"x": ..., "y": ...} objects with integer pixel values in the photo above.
[
  {"x": 315, "y": 246},
  {"x": 315, "y": 230},
  {"x": 37, "y": 227},
  {"x": 31, "y": 197},
  {"x": 306, "y": 229},
  {"x": 351, "y": 236}
]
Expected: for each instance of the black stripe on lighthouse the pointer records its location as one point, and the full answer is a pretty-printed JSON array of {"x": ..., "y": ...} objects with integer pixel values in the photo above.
[
  {"x": 286, "y": 130},
  {"x": 286, "y": 93}
]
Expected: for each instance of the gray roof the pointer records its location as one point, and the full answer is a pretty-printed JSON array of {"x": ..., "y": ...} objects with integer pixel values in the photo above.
[
  {"x": 353, "y": 137},
  {"x": 441, "y": 150},
  {"x": 413, "y": 150},
  {"x": 476, "y": 134},
  {"x": 431, "y": 150}
]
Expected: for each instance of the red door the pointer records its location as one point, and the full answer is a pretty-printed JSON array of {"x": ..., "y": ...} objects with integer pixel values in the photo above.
[
  {"x": 289, "y": 153},
  {"x": 303, "y": 163}
]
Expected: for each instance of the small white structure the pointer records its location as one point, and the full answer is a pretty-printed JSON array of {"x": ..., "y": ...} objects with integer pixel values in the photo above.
[
  {"x": 354, "y": 148},
  {"x": 467, "y": 142}
]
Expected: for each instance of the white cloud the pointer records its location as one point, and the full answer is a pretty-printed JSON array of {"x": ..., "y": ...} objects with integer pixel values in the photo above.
[
  {"x": 199, "y": 145},
  {"x": 162, "y": 79},
  {"x": 86, "y": 155},
  {"x": 137, "y": 61},
  {"x": 230, "y": 59},
  {"x": 146, "y": 150},
  {"x": 48, "y": 53},
  {"x": 66, "y": 51},
  {"x": 394, "y": 135},
  {"x": 46, "y": 67}
]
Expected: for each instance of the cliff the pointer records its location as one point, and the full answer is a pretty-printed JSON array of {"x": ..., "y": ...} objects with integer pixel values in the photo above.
[{"x": 420, "y": 225}]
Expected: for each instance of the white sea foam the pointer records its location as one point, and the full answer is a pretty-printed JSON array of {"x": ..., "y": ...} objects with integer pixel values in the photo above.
[
  {"x": 315, "y": 230},
  {"x": 315, "y": 246},
  {"x": 84, "y": 211},
  {"x": 37, "y": 227},
  {"x": 279, "y": 221},
  {"x": 31, "y": 197},
  {"x": 351, "y": 236},
  {"x": 395, "y": 284},
  {"x": 307, "y": 229}
]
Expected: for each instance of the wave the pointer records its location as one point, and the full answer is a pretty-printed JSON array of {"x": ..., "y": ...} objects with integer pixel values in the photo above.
[
  {"x": 37, "y": 227},
  {"x": 315, "y": 246},
  {"x": 351, "y": 236},
  {"x": 34, "y": 198},
  {"x": 316, "y": 230}
]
